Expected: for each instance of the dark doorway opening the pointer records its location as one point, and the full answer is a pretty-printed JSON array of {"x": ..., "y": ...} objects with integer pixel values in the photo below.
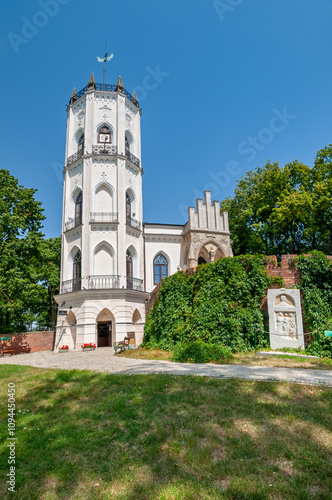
[
  {"x": 104, "y": 333},
  {"x": 201, "y": 260}
]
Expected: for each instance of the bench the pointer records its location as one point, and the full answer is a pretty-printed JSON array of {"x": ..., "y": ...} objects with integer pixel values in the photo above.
[
  {"x": 122, "y": 345},
  {"x": 20, "y": 349}
]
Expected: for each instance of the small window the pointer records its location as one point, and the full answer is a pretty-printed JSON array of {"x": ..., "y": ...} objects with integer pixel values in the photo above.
[
  {"x": 78, "y": 209},
  {"x": 80, "y": 145},
  {"x": 77, "y": 271},
  {"x": 105, "y": 135},
  {"x": 127, "y": 144},
  {"x": 160, "y": 268},
  {"x": 128, "y": 208}
]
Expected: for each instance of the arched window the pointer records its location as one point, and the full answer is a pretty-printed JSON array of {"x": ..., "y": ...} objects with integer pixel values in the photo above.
[
  {"x": 80, "y": 145},
  {"x": 160, "y": 268},
  {"x": 128, "y": 209},
  {"x": 78, "y": 209},
  {"x": 129, "y": 270},
  {"x": 105, "y": 135},
  {"x": 127, "y": 144},
  {"x": 77, "y": 271}
]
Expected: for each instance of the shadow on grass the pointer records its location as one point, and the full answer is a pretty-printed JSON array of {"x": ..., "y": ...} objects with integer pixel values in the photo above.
[{"x": 165, "y": 437}]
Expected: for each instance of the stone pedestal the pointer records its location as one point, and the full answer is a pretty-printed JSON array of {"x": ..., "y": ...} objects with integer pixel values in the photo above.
[{"x": 285, "y": 318}]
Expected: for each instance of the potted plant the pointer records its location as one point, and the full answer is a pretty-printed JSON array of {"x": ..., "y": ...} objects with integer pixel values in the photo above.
[
  {"x": 88, "y": 347},
  {"x": 64, "y": 348}
]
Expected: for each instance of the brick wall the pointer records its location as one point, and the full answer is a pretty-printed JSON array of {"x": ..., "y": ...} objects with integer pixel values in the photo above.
[
  {"x": 289, "y": 273},
  {"x": 33, "y": 341}
]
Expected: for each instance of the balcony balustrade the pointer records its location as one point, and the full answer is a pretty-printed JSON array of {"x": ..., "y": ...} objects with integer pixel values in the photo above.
[
  {"x": 100, "y": 282},
  {"x": 106, "y": 88},
  {"x": 133, "y": 223},
  {"x": 134, "y": 283},
  {"x": 76, "y": 156},
  {"x": 132, "y": 158},
  {"x": 71, "y": 285},
  {"x": 104, "y": 149},
  {"x": 73, "y": 222},
  {"x": 103, "y": 216}
]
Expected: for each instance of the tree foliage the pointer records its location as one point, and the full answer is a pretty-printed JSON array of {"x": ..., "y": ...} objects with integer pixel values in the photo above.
[
  {"x": 24, "y": 263},
  {"x": 220, "y": 303},
  {"x": 279, "y": 210}
]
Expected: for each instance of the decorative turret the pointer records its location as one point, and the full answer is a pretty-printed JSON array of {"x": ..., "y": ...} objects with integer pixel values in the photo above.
[
  {"x": 92, "y": 82},
  {"x": 119, "y": 86},
  {"x": 73, "y": 97}
]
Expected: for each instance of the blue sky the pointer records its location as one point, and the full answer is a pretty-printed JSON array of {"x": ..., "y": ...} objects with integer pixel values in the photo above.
[{"x": 238, "y": 83}]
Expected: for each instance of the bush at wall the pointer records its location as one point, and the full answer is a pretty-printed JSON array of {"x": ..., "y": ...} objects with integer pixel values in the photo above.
[
  {"x": 220, "y": 303},
  {"x": 200, "y": 352},
  {"x": 316, "y": 285}
]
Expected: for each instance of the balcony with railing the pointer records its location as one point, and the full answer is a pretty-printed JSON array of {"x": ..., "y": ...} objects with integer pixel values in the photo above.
[
  {"x": 133, "y": 223},
  {"x": 105, "y": 149},
  {"x": 73, "y": 222},
  {"x": 71, "y": 285},
  {"x": 132, "y": 158},
  {"x": 134, "y": 284},
  {"x": 101, "y": 217},
  {"x": 102, "y": 282},
  {"x": 76, "y": 156},
  {"x": 106, "y": 88}
]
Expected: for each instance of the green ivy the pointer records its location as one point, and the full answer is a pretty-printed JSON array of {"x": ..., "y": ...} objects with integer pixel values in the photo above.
[
  {"x": 220, "y": 303},
  {"x": 316, "y": 285}
]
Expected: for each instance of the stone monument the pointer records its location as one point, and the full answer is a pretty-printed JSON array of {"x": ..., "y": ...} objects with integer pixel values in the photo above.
[{"x": 285, "y": 318}]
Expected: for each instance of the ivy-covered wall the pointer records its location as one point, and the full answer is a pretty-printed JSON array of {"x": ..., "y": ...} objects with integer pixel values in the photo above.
[
  {"x": 219, "y": 303},
  {"x": 316, "y": 286},
  {"x": 222, "y": 302}
]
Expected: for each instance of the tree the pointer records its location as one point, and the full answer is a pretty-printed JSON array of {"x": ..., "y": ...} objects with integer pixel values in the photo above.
[
  {"x": 279, "y": 210},
  {"x": 50, "y": 255},
  {"x": 25, "y": 279}
]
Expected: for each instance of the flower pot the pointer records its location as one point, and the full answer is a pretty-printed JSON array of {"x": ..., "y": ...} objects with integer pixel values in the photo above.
[{"x": 88, "y": 349}]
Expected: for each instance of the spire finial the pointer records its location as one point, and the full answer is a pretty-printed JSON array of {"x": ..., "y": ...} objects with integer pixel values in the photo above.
[
  {"x": 73, "y": 97},
  {"x": 92, "y": 82},
  {"x": 119, "y": 86}
]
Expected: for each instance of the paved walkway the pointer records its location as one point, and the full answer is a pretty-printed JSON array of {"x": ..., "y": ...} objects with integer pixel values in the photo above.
[{"x": 103, "y": 360}]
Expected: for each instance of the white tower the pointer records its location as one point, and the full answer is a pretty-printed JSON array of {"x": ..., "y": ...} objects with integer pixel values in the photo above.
[{"x": 102, "y": 291}]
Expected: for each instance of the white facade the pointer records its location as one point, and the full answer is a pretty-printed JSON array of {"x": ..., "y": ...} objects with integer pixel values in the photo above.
[{"x": 110, "y": 259}]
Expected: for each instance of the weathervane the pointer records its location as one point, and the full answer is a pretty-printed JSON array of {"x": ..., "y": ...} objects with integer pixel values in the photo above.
[{"x": 105, "y": 59}]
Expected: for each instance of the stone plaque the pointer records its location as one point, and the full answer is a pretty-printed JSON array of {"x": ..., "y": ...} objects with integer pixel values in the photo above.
[{"x": 285, "y": 318}]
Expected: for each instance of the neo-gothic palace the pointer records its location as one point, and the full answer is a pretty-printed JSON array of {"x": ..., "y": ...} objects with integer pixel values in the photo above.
[{"x": 111, "y": 260}]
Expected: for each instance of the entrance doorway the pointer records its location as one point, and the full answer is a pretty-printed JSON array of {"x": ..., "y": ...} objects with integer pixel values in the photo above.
[{"x": 104, "y": 333}]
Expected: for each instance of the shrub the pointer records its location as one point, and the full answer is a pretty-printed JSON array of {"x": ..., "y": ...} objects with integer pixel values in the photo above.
[{"x": 200, "y": 352}]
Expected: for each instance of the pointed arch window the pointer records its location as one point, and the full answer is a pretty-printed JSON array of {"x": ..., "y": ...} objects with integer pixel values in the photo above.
[
  {"x": 128, "y": 208},
  {"x": 78, "y": 209},
  {"x": 160, "y": 268},
  {"x": 105, "y": 135},
  {"x": 129, "y": 270},
  {"x": 77, "y": 271},
  {"x": 80, "y": 145}
]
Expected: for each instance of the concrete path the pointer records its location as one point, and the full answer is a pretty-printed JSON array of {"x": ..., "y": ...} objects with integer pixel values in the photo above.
[{"x": 103, "y": 360}]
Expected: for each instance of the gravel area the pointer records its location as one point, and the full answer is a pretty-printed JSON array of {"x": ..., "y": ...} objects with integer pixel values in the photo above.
[{"x": 103, "y": 360}]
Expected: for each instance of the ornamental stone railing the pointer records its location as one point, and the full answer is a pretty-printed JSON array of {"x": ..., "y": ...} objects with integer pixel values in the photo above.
[
  {"x": 103, "y": 217},
  {"x": 102, "y": 282}
]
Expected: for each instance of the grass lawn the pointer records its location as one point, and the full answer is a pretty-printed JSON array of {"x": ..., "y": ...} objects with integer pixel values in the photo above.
[
  {"x": 248, "y": 358},
  {"x": 93, "y": 435}
]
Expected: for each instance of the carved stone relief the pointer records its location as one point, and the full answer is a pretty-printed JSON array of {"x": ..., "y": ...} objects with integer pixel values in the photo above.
[{"x": 285, "y": 318}]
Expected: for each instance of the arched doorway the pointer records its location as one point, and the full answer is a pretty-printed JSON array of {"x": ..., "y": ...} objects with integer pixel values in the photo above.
[{"x": 105, "y": 328}]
